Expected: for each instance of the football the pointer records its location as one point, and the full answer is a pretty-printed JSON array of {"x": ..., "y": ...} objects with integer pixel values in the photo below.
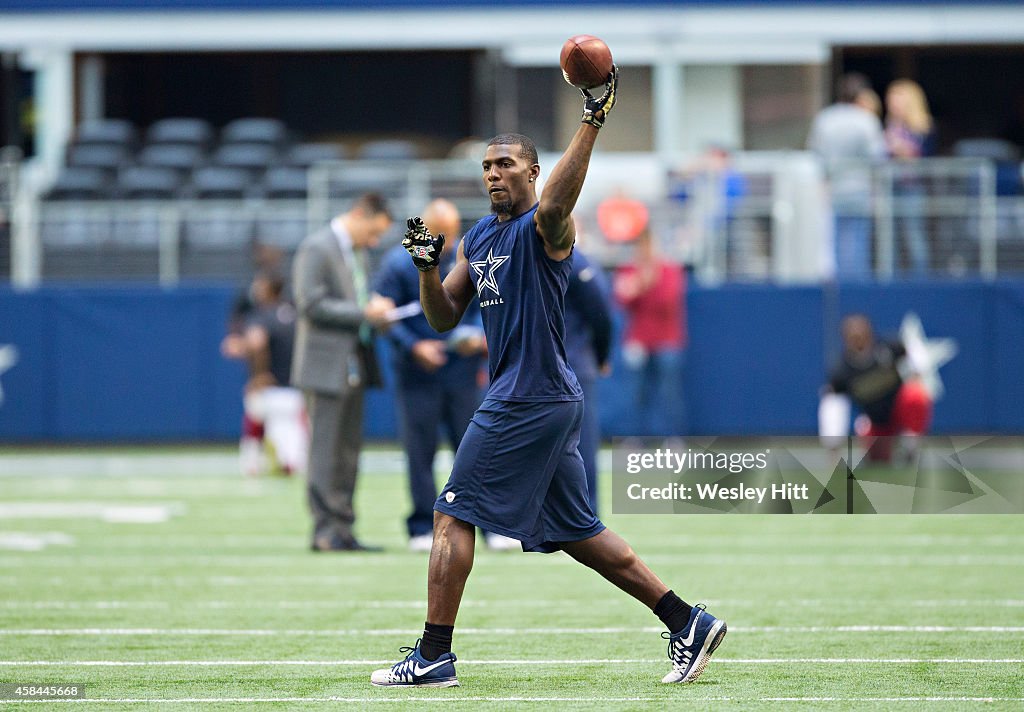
[{"x": 586, "y": 61}]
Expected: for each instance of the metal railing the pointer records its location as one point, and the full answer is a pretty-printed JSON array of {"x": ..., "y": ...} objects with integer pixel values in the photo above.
[
  {"x": 9, "y": 163},
  {"x": 166, "y": 240},
  {"x": 408, "y": 186},
  {"x": 764, "y": 217},
  {"x": 936, "y": 217}
]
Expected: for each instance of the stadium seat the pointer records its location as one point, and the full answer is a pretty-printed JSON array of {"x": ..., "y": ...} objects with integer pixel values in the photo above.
[
  {"x": 255, "y": 130},
  {"x": 284, "y": 229},
  {"x": 107, "y": 157},
  {"x": 389, "y": 150},
  {"x": 303, "y": 155},
  {"x": 220, "y": 182},
  {"x": 285, "y": 182},
  {"x": 148, "y": 183},
  {"x": 217, "y": 241},
  {"x": 1005, "y": 154},
  {"x": 80, "y": 183},
  {"x": 181, "y": 157},
  {"x": 107, "y": 132},
  {"x": 252, "y": 157},
  {"x": 996, "y": 149},
  {"x": 197, "y": 132}
]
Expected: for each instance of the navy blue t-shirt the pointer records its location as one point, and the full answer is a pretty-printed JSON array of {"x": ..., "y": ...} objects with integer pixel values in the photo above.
[{"x": 522, "y": 301}]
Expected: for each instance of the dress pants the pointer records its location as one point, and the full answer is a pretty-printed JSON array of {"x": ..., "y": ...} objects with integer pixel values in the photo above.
[
  {"x": 336, "y": 437},
  {"x": 424, "y": 410}
]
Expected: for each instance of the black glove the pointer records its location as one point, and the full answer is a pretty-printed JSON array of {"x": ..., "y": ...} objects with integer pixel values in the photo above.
[
  {"x": 596, "y": 110},
  {"x": 424, "y": 247}
]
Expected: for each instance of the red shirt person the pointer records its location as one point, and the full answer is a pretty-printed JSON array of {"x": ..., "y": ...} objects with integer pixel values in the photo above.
[{"x": 651, "y": 290}]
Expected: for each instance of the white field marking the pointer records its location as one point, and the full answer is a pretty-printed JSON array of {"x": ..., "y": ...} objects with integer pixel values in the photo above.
[
  {"x": 503, "y": 560},
  {"x": 163, "y": 464},
  {"x": 835, "y": 603},
  {"x": 448, "y": 699},
  {"x": 269, "y": 632},
  {"x": 742, "y": 544},
  {"x": 190, "y": 582},
  {"x": 572, "y": 661},
  {"x": 33, "y": 541},
  {"x": 103, "y": 511}
]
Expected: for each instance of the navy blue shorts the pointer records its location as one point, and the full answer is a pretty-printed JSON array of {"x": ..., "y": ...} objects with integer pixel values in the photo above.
[{"x": 518, "y": 472}]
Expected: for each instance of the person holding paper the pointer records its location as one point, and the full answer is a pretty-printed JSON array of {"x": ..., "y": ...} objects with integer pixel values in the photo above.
[{"x": 334, "y": 362}]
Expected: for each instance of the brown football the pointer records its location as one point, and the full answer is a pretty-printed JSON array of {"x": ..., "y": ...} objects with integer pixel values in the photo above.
[{"x": 586, "y": 61}]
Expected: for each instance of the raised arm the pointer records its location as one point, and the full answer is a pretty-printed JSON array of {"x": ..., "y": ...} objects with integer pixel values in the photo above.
[{"x": 554, "y": 213}]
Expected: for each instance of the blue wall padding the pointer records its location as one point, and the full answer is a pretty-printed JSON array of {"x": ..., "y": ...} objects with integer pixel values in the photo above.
[{"x": 142, "y": 364}]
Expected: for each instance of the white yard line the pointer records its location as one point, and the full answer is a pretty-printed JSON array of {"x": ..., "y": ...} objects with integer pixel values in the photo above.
[
  {"x": 161, "y": 513},
  {"x": 834, "y": 603},
  {"x": 269, "y": 632},
  {"x": 454, "y": 697},
  {"x": 570, "y": 661},
  {"x": 111, "y": 512}
]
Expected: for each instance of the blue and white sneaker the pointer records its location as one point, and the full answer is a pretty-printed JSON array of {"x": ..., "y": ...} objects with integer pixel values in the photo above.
[
  {"x": 415, "y": 671},
  {"x": 691, "y": 648}
]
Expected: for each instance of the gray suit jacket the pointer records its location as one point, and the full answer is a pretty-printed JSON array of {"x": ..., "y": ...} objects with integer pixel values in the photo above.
[{"x": 328, "y": 356}]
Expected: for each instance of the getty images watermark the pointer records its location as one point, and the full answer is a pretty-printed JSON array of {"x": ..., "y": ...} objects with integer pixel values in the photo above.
[
  {"x": 667, "y": 460},
  {"x": 980, "y": 475}
]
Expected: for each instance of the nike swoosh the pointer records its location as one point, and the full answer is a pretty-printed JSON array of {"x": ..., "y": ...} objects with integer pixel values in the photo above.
[
  {"x": 688, "y": 640},
  {"x": 417, "y": 670}
]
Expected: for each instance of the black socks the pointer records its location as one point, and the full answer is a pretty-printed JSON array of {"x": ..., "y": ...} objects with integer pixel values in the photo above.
[
  {"x": 437, "y": 640},
  {"x": 673, "y": 611}
]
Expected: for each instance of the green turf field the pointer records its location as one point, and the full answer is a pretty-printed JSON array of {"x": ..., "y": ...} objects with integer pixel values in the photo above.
[{"x": 221, "y": 605}]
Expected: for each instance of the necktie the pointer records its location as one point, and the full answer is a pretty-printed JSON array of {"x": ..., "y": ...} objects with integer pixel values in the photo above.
[{"x": 362, "y": 296}]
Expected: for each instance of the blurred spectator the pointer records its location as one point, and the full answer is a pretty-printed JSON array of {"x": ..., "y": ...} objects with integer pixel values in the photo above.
[
  {"x": 868, "y": 99},
  {"x": 713, "y": 188},
  {"x": 588, "y": 342},
  {"x": 270, "y": 402},
  {"x": 651, "y": 290},
  {"x": 334, "y": 360},
  {"x": 909, "y": 136},
  {"x": 266, "y": 260},
  {"x": 848, "y": 137},
  {"x": 435, "y": 374},
  {"x": 869, "y": 374}
]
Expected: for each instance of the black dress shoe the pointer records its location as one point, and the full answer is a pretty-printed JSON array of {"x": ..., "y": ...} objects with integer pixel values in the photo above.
[
  {"x": 337, "y": 543},
  {"x": 356, "y": 545}
]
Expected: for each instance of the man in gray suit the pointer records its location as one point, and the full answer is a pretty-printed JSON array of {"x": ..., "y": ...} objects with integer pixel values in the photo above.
[{"x": 334, "y": 361}]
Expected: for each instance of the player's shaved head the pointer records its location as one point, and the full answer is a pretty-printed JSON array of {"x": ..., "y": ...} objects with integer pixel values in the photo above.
[
  {"x": 858, "y": 335},
  {"x": 441, "y": 216},
  {"x": 527, "y": 149}
]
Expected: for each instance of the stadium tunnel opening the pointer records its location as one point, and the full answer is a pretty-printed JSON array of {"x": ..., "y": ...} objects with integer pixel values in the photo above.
[{"x": 426, "y": 97}]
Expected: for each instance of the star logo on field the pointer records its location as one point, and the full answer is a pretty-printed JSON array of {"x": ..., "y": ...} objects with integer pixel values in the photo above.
[
  {"x": 485, "y": 270},
  {"x": 926, "y": 355}
]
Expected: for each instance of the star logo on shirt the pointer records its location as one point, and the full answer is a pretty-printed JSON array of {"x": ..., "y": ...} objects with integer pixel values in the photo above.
[{"x": 485, "y": 270}]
